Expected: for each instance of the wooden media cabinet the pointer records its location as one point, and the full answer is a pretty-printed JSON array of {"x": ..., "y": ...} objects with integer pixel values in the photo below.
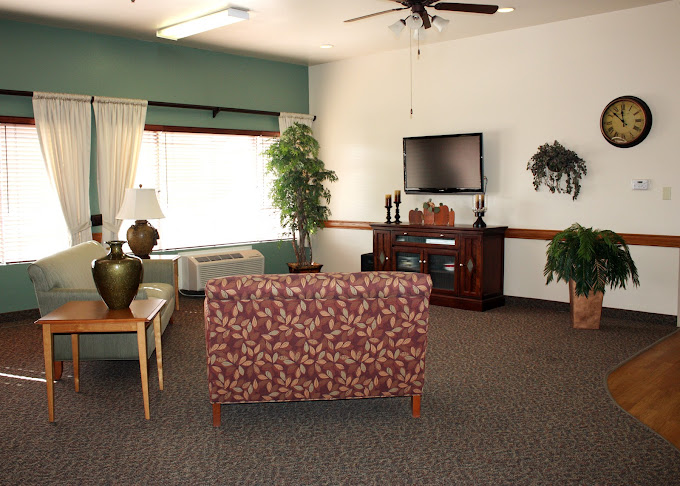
[{"x": 465, "y": 263}]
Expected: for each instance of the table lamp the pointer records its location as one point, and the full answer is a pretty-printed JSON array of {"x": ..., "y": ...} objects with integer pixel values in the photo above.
[{"x": 140, "y": 205}]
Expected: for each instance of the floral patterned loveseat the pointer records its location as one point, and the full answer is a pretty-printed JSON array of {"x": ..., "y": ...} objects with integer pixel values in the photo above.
[{"x": 323, "y": 336}]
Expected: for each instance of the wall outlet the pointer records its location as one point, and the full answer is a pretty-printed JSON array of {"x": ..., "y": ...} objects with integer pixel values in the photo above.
[
  {"x": 666, "y": 194},
  {"x": 639, "y": 184}
]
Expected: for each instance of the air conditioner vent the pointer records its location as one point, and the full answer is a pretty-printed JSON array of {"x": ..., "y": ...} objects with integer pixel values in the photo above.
[
  {"x": 216, "y": 258},
  {"x": 201, "y": 268}
]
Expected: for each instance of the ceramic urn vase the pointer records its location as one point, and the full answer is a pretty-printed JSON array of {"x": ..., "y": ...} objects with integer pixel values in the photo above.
[{"x": 117, "y": 276}]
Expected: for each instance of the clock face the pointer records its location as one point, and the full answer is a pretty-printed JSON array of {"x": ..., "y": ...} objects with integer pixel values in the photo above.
[{"x": 626, "y": 121}]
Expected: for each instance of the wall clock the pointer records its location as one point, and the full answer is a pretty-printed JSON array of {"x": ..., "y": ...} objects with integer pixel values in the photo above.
[{"x": 626, "y": 121}]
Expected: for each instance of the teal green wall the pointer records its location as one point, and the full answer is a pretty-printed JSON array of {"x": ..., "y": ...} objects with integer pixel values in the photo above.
[{"x": 39, "y": 58}]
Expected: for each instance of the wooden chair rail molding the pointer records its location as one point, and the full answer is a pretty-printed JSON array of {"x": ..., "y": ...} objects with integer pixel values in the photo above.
[{"x": 667, "y": 241}]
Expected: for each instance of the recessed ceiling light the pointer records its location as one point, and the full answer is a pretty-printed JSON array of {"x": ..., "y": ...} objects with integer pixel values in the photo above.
[
  {"x": 326, "y": 46},
  {"x": 506, "y": 9}
]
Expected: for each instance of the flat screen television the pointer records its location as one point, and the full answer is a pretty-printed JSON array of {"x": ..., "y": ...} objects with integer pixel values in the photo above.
[{"x": 444, "y": 164}]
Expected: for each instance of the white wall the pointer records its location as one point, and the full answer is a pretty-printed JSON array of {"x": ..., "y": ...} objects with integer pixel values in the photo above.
[{"x": 521, "y": 88}]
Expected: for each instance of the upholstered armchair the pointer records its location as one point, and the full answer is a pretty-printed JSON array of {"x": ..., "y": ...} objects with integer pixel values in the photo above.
[{"x": 67, "y": 276}]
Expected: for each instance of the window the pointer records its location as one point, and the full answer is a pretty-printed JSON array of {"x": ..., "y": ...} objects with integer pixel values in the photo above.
[
  {"x": 31, "y": 222},
  {"x": 212, "y": 188}
]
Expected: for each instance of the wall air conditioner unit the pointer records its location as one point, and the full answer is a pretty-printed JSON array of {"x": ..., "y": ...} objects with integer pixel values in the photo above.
[{"x": 202, "y": 267}]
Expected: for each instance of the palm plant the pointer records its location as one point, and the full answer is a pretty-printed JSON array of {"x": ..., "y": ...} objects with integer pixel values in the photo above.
[
  {"x": 298, "y": 189},
  {"x": 593, "y": 259}
]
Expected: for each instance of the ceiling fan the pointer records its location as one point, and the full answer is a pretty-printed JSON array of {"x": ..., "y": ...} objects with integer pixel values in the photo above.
[{"x": 418, "y": 11}]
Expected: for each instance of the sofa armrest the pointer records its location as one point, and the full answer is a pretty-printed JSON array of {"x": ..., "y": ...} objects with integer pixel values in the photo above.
[
  {"x": 159, "y": 271},
  {"x": 52, "y": 299},
  {"x": 55, "y": 298}
]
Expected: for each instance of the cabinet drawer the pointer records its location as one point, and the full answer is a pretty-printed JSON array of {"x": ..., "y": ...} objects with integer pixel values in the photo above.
[{"x": 436, "y": 238}]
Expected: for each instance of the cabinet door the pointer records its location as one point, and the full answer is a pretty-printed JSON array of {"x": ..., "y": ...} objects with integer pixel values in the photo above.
[
  {"x": 382, "y": 251},
  {"x": 470, "y": 267},
  {"x": 443, "y": 269},
  {"x": 408, "y": 260}
]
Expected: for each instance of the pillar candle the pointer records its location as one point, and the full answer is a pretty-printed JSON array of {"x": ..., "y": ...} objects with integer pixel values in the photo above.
[
  {"x": 388, "y": 200},
  {"x": 397, "y": 196}
]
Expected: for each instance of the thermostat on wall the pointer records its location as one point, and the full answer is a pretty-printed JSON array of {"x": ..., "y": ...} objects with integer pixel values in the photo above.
[{"x": 640, "y": 184}]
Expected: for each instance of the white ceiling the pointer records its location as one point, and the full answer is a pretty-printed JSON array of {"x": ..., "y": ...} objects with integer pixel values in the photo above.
[{"x": 292, "y": 30}]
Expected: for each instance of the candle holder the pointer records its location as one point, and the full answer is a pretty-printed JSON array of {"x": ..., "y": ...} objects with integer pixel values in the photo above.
[
  {"x": 389, "y": 217},
  {"x": 479, "y": 212},
  {"x": 396, "y": 213},
  {"x": 479, "y": 208}
]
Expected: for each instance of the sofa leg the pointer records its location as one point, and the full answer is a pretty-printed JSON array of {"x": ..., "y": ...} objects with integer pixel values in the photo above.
[
  {"x": 415, "y": 406},
  {"x": 217, "y": 414},
  {"x": 58, "y": 369}
]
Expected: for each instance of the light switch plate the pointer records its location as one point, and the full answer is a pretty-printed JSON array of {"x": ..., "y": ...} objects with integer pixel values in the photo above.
[{"x": 639, "y": 184}]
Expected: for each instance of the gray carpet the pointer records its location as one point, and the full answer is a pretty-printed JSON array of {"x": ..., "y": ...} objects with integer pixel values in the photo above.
[{"x": 512, "y": 396}]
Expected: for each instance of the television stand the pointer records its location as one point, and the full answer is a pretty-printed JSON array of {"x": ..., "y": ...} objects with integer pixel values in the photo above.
[{"x": 464, "y": 262}]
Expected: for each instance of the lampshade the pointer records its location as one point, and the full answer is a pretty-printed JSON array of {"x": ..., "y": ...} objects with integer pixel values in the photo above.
[
  {"x": 140, "y": 204},
  {"x": 397, "y": 27},
  {"x": 414, "y": 21},
  {"x": 202, "y": 24},
  {"x": 440, "y": 23}
]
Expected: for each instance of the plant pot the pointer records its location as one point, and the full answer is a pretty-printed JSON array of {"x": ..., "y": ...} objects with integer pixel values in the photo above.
[
  {"x": 586, "y": 311},
  {"x": 311, "y": 268},
  {"x": 117, "y": 276}
]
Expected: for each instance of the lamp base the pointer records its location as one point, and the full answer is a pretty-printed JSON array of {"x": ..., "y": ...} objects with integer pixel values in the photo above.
[{"x": 142, "y": 237}]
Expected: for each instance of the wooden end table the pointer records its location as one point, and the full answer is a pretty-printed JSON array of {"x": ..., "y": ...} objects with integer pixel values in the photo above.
[{"x": 78, "y": 317}]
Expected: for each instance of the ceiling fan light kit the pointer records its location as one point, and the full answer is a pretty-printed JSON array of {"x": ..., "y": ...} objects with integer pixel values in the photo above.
[
  {"x": 397, "y": 27},
  {"x": 440, "y": 23},
  {"x": 414, "y": 21},
  {"x": 421, "y": 19},
  {"x": 203, "y": 24}
]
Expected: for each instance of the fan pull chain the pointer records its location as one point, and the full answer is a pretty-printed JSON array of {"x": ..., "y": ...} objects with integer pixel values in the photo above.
[{"x": 410, "y": 65}]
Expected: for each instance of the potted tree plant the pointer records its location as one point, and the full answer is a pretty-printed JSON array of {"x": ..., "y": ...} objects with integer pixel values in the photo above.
[
  {"x": 298, "y": 190},
  {"x": 589, "y": 260}
]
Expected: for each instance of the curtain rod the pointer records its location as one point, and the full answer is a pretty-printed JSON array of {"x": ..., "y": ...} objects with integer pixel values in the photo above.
[{"x": 215, "y": 109}]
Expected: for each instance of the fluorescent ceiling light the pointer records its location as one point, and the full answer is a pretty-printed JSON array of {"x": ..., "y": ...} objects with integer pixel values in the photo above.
[
  {"x": 326, "y": 46},
  {"x": 203, "y": 24}
]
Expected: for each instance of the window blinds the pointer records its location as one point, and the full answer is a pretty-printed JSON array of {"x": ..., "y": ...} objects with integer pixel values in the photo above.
[
  {"x": 31, "y": 222},
  {"x": 212, "y": 188}
]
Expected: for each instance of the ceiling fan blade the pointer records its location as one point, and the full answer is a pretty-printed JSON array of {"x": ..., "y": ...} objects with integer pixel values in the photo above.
[
  {"x": 426, "y": 21},
  {"x": 466, "y": 7},
  {"x": 374, "y": 14}
]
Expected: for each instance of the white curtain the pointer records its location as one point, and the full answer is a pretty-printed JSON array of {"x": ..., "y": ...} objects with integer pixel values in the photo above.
[
  {"x": 288, "y": 119},
  {"x": 63, "y": 123},
  {"x": 120, "y": 128}
]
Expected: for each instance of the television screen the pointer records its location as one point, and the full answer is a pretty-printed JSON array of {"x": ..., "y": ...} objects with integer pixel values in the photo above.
[{"x": 443, "y": 164}]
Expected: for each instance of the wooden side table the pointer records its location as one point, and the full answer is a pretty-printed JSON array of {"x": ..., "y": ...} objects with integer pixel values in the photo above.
[{"x": 78, "y": 317}]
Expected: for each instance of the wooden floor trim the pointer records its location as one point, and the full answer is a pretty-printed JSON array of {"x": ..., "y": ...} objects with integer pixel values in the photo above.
[{"x": 648, "y": 387}]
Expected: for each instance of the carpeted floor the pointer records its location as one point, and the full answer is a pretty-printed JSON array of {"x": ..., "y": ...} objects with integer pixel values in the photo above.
[{"x": 512, "y": 396}]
